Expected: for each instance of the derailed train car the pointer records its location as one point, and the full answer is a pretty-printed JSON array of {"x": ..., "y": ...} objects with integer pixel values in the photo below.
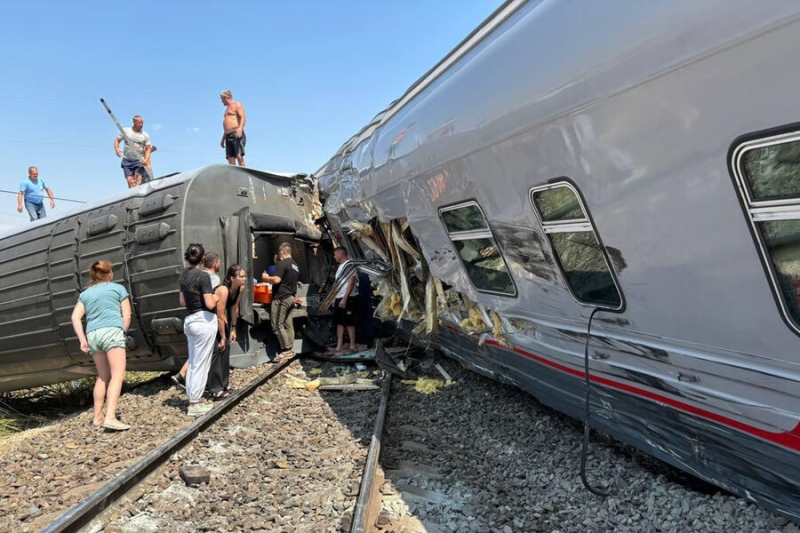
[
  {"x": 578, "y": 187},
  {"x": 242, "y": 214}
]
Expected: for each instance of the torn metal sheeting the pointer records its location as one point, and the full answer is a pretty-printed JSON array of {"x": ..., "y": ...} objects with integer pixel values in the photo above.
[
  {"x": 400, "y": 264},
  {"x": 391, "y": 363},
  {"x": 366, "y": 235},
  {"x": 371, "y": 267},
  {"x": 401, "y": 242}
]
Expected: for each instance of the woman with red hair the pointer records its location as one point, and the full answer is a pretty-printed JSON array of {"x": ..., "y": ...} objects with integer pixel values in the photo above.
[{"x": 108, "y": 316}]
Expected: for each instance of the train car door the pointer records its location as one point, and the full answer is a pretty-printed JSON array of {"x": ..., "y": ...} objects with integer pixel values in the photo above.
[{"x": 237, "y": 247}]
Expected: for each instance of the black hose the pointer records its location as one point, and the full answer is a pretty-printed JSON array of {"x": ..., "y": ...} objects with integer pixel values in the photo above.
[{"x": 585, "y": 448}]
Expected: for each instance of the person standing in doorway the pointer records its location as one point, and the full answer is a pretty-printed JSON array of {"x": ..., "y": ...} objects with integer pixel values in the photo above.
[
  {"x": 345, "y": 305},
  {"x": 136, "y": 152},
  {"x": 32, "y": 191},
  {"x": 233, "y": 137},
  {"x": 284, "y": 291}
]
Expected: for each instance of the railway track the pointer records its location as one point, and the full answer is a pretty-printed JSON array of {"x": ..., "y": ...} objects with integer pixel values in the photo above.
[
  {"x": 100, "y": 507},
  {"x": 478, "y": 456},
  {"x": 84, "y": 512}
]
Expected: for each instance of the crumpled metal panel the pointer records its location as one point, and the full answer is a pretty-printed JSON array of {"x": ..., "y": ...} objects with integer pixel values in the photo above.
[{"x": 700, "y": 334}]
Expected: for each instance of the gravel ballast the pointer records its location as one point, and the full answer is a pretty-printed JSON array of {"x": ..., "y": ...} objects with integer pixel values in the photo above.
[
  {"x": 475, "y": 456},
  {"x": 481, "y": 456}
]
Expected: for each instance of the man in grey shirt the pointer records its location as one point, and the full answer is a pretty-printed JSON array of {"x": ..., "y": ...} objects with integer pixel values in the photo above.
[{"x": 136, "y": 153}]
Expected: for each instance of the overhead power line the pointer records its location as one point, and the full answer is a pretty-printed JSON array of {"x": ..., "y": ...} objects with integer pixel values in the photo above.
[
  {"x": 54, "y": 197},
  {"x": 204, "y": 96},
  {"x": 76, "y": 145}
]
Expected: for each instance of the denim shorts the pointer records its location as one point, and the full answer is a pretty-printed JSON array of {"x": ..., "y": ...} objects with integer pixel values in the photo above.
[
  {"x": 133, "y": 166},
  {"x": 103, "y": 339}
]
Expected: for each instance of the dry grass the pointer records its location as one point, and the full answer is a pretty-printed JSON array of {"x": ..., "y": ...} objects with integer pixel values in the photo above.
[{"x": 30, "y": 408}]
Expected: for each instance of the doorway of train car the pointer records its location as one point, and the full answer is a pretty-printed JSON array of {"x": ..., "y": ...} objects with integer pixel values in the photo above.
[
  {"x": 311, "y": 260},
  {"x": 252, "y": 240}
]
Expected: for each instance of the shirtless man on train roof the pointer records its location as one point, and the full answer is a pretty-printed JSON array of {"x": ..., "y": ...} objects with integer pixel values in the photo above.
[{"x": 233, "y": 137}]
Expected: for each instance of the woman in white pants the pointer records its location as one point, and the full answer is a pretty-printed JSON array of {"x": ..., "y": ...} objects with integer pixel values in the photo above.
[{"x": 199, "y": 326}]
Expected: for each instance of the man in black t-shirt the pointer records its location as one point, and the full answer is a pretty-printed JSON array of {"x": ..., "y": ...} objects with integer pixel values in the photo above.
[{"x": 284, "y": 288}]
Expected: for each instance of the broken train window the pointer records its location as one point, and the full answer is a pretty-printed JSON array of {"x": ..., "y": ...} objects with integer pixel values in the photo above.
[
  {"x": 575, "y": 244},
  {"x": 476, "y": 246},
  {"x": 767, "y": 171}
]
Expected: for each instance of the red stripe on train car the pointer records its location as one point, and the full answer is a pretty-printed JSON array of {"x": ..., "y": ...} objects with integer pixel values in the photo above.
[{"x": 789, "y": 439}]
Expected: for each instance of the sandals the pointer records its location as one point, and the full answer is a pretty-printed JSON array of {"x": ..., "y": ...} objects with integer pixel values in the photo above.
[
  {"x": 115, "y": 427},
  {"x": 221, "y": 395}
]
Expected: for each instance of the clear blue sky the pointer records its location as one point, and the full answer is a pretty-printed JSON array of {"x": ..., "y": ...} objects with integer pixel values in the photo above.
[{"x": 309, "y": 73}]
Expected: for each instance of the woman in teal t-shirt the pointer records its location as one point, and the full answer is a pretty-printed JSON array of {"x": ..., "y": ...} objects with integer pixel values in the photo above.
[{"x": 108, "y": 316}]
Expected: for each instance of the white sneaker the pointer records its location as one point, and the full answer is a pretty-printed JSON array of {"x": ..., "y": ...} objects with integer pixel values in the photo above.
[{"x": 198, "y": 409}]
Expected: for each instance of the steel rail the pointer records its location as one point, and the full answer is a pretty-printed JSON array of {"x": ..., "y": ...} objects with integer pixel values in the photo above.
[
  {"x": 365, "y": 491},
  {"x": 82, "y": 513}
]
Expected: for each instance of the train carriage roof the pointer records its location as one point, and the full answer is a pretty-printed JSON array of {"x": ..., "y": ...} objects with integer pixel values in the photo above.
[{"x": 150, "y": 187}]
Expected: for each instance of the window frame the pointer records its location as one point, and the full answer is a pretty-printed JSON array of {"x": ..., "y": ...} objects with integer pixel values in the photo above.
[
  {"x": 476, "y": 234},
  {"x": 756, "y": 211},
  {"x": 582, "y": 225}
]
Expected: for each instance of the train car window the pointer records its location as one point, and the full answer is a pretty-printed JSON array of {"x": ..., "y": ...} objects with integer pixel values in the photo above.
[
  {"x": 575, "y": 245},
  {"x": 772, "y": 171},
  {"x": 558, "y": 203},
  {"x": 767, "y": 171},
  {"x": 477, "y": 248},
  {"x": 782, "y": 239},
  {"x": 467, "y": 218}
]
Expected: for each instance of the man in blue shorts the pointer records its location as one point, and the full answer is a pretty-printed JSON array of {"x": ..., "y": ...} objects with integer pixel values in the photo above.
[
  {"x": 136, "y": 152},
  {"x": 32, "y": 190}
]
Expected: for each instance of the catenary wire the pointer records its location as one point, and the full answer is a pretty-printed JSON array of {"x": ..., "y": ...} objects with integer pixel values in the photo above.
[
  {"x": 37, "y": 196},
  {"x": 51, "y": 143}
]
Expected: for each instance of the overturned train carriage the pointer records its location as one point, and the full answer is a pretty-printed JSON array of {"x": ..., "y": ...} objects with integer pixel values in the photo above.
[
  {"x": 242, "y": 214},
  {"x": 570, "y": 166}
]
